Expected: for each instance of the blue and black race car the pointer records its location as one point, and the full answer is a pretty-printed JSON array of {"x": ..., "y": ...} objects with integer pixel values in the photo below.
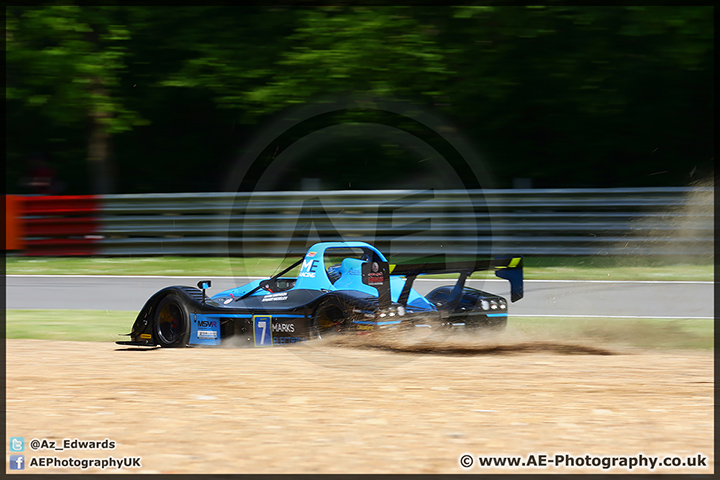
[{"x": 338, "y": 287}]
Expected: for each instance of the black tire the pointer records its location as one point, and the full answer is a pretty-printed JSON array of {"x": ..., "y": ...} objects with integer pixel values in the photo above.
[
  {"x": 171, "y": 324},
  {"x": 331, "y": 317}
]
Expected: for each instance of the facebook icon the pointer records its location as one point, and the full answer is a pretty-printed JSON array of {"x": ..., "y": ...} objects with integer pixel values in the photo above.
[{"x": 17, "y": 462}]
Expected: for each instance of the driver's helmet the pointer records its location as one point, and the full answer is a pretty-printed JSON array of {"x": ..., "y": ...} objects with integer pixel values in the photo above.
[{"x": 334, "y": 273}]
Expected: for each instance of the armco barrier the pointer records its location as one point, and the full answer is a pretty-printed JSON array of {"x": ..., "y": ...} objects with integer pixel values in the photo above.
[{"x": 634, "y": 221}]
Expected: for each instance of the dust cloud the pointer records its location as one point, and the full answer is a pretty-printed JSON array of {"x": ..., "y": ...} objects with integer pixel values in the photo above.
[
  {"x": 684, "y": 233},
  {"x": 466, "y": 342}
]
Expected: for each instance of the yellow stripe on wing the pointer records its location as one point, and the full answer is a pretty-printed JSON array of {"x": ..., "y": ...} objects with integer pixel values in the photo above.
[{"x": 513, "y": 263}]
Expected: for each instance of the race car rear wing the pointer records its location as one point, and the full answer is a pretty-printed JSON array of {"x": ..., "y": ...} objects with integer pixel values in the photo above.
[{"x": 510, "y": 269}]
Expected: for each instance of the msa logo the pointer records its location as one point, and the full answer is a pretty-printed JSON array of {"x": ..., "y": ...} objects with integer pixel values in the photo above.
[
  {"x": 207, "y": 323},
  {"x": 283, "y": 327}
]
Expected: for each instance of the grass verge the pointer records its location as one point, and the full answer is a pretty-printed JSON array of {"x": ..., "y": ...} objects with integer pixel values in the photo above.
[
  {"x": 77, "y": 325},
  {"x": 104, "y": 326},
  {"x": 681, "y": 333}
]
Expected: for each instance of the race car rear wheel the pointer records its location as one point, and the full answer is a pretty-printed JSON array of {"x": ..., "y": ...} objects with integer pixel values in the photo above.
[
  {"x": 171, "y": 327},
  {"x": 330, "y": 317}
]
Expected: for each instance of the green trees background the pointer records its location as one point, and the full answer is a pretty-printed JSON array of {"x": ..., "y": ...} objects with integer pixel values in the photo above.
[{"x": 160, "y": 99}]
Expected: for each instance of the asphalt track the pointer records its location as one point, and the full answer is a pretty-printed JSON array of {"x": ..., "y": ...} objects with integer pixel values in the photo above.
[{"x": 542, "y": 297}]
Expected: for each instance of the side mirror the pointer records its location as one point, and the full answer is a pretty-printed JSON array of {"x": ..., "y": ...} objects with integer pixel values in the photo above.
[{"x": 204, "y": 285}]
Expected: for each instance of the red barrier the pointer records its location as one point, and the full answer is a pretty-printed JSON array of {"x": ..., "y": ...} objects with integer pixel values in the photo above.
[
  {"x": 13, "y": 222},
  {"x": 61, "y": 225},
  {"x": 62, "y": 205}
]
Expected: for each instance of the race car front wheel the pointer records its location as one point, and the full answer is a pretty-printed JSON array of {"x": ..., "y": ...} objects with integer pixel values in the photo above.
[{"x": 172, "y": 322}]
